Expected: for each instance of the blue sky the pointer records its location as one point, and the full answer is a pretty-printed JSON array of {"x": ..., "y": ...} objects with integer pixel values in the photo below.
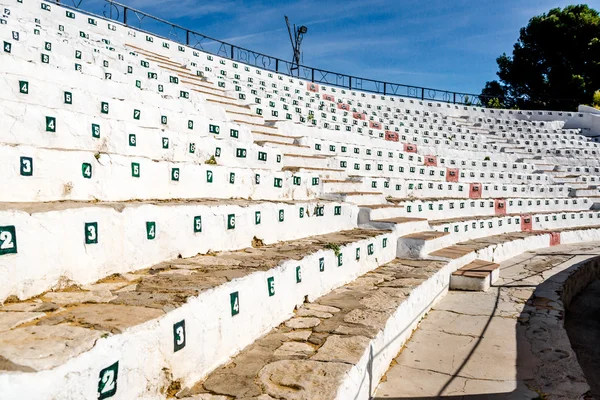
[{"x": 442, "y": 44}]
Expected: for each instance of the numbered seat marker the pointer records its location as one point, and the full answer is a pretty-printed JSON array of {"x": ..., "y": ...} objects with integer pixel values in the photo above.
[
  {"x": 91, "y": 232},
  {"x": 107, "y": 381},
  {"x": 26, "y": 166},
  {"x": 234, "y": 301},
  {"x": 271, "y": 286},
  {"x": 179, "y": 336},
  {"x": 8, "y": 240}
]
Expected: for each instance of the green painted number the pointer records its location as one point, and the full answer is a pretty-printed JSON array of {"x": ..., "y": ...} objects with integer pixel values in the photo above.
[
  {"x": 8, "y": 240},
  {"x": 178, "y": 336},
  {"x": 135, "y": 170},
  {"x": 91, "y": 232},
  {"x": 107, "y": 382},
  {"x": 96, "y": 130},
  {"x": 150, "y": 230},
  {"x": 234, "y": 301},
  {"x": 24, "y": 87},
  {"x": 26, "y": 166},
  {"x": 271, "y": 286},
  {"x": 50, "y": 124},
  {"x": 86, "y": 170}
]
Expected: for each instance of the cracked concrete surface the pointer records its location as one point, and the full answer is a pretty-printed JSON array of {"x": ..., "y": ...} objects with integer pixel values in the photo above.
[
  {"x": 46, "y": 332},
  {"x": 506, "y": 343},
  {"x": 307, "y": 358}
]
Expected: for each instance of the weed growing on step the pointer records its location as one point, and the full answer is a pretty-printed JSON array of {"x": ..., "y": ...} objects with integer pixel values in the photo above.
[
  {"x": 211, "y": 161},
  {"x": 335, "y": 247}
]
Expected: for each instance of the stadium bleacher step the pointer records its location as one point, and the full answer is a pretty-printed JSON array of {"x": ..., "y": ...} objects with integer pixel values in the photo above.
[
  {"x": 329, "y": 346},
  {"x": 286, "y": 147},
  {"x": 356, "y": 197},
  {"x": 339, "y": 185},
  {"x": 478, "y": 275},
  {"x": 302, "y": 161},
  {"x": 120, "y": 237},
  {"x": 178, "y": 320},
  {"x": 381, "y": 212},
  {"x": 245, "y": 117},
  {"x": 266, "y": 133},
  {"x": 419, "y": 244}
]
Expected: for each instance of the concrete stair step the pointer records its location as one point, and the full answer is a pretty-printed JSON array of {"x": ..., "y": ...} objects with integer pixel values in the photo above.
[
  {"x": 269, "y": 134},
  {"x": 379, "y": 212},
  {"x": 95, "y": 233},
  {"x": 302, "y": 161},
  {"x": 285, "y": 147},
  {"x": 246, "y": 117},
  {"x": 478, "y": 275},
  {"x": 357, "y": 197},
  {"x": 185, "y": 316},
  {"x": 341, "y": 185},
  {"x": 328, "y": 344}
]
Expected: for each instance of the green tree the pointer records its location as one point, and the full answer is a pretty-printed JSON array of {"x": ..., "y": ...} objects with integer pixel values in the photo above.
[
  {"x": 493, "y": 94},
  {"x": 555, "y": 64}
]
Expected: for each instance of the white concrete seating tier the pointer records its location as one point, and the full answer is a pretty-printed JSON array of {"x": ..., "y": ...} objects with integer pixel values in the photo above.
[
  {"x": 35, "y": 174},
  {"x": 177, "y": 321},
  {"x": 44, "y": 246},
  {"x": 351, "y": 335}
]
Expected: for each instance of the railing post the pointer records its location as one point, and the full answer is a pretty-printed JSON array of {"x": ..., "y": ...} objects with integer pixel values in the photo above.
[
  {"x": 454, "y": 100},
  {"x": 312, "y": 75},
  {"x": 187, "y": 37},
  {"x": 277, "y": 65},
  {"x": 422, "y": 93},
  {"x": 232, "y": 51},
  {"x": 125, "y": 16},
  {"x": 349, "y": 83},
  {"x": 384, "y": 88}
]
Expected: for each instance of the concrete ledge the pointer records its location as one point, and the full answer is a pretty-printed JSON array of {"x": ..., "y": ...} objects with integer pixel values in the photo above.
[
  {"x": 37, "y": 175},
  {"x": 559, "y": 374},
  {"x": 339, "y": 346},
  {"x": 223, "y": 306},
  {"x": 60, "y": 244},
  {"x": 475, "y": 276}
]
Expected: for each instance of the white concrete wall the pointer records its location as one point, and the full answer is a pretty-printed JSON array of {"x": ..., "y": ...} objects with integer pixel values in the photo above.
[
  {"x": 51, "y": 245},
  {"x": 58, "y": 175},
  {"x": 213, "y": 335}
]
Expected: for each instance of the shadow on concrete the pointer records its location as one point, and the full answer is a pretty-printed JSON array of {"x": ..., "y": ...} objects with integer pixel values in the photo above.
[
  {"x": 582, "y": 322},
  {"x": 526, "y": 387}
]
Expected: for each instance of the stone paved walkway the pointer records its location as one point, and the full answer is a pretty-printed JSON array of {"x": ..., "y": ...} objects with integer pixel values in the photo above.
[{"x": 505, "y": 343}]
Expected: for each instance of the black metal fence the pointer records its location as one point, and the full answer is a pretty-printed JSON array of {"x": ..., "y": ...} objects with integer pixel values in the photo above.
[{"x": 150, "y": 24}]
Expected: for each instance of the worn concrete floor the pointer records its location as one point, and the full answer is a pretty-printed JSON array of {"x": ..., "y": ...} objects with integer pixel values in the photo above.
[{"x": 499, "y": 344}]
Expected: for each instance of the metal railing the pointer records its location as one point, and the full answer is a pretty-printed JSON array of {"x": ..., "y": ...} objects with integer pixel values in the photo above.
[{"x": 140, "y": 20}]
